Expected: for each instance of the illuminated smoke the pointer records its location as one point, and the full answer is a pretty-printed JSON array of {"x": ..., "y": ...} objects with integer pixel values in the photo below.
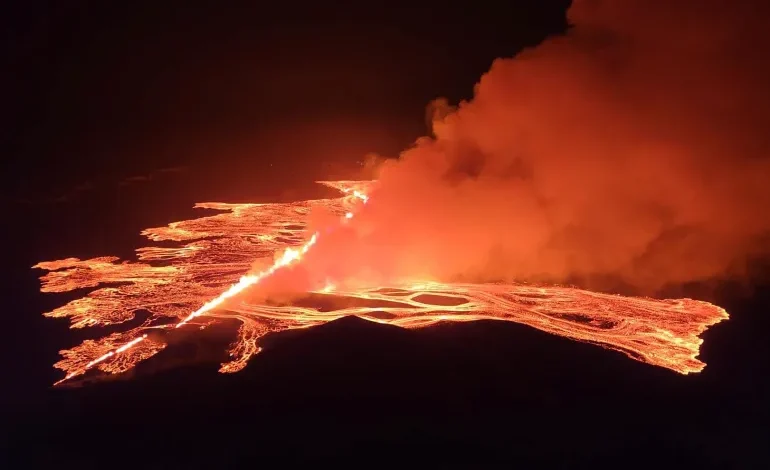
[{"x": 635, "y": 146}]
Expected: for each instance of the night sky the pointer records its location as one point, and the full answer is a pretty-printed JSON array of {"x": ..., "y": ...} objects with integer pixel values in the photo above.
[{"x": 99, "y": 90}]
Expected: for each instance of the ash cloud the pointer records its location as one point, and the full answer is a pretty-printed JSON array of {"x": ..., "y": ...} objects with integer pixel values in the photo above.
[{"x": 634, "y": 146}]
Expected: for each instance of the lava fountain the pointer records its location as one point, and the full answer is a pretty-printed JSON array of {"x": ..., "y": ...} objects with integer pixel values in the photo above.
[{"x": 212, "y": 264}]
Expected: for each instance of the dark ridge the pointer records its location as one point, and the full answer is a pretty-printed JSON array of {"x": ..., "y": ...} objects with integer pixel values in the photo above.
[
  {"x": 603, "y": 324},
  {"x": 573, "y": 317},
  {"x": 391, "y": 291},
  {"x": 435, "y": 299},
  {"x": 330, "y": 302}
]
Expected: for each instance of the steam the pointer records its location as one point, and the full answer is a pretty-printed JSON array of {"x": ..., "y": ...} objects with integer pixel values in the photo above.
[{"x": 634, "y": 147}]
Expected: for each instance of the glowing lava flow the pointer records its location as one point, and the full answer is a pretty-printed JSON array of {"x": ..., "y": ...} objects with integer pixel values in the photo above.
[
  {"x": 208, "y": 270},
  {"x": 289, "y": 256}
]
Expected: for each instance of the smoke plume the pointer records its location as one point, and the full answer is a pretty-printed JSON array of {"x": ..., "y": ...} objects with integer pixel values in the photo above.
[{"x": 634, "y": 146}]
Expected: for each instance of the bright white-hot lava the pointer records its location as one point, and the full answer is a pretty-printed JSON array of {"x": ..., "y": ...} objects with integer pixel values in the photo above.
[{"x": 206, "y": 274}]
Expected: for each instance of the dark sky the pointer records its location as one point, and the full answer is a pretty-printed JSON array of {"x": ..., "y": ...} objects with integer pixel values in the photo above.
[{"x": 110, "y": 90}]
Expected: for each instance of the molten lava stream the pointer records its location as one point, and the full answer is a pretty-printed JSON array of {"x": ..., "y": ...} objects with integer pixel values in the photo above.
[{"x": 213, "y": 260}]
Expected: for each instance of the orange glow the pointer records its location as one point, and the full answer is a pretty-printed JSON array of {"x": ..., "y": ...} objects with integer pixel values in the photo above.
[{"x": 215, "y": 263}]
